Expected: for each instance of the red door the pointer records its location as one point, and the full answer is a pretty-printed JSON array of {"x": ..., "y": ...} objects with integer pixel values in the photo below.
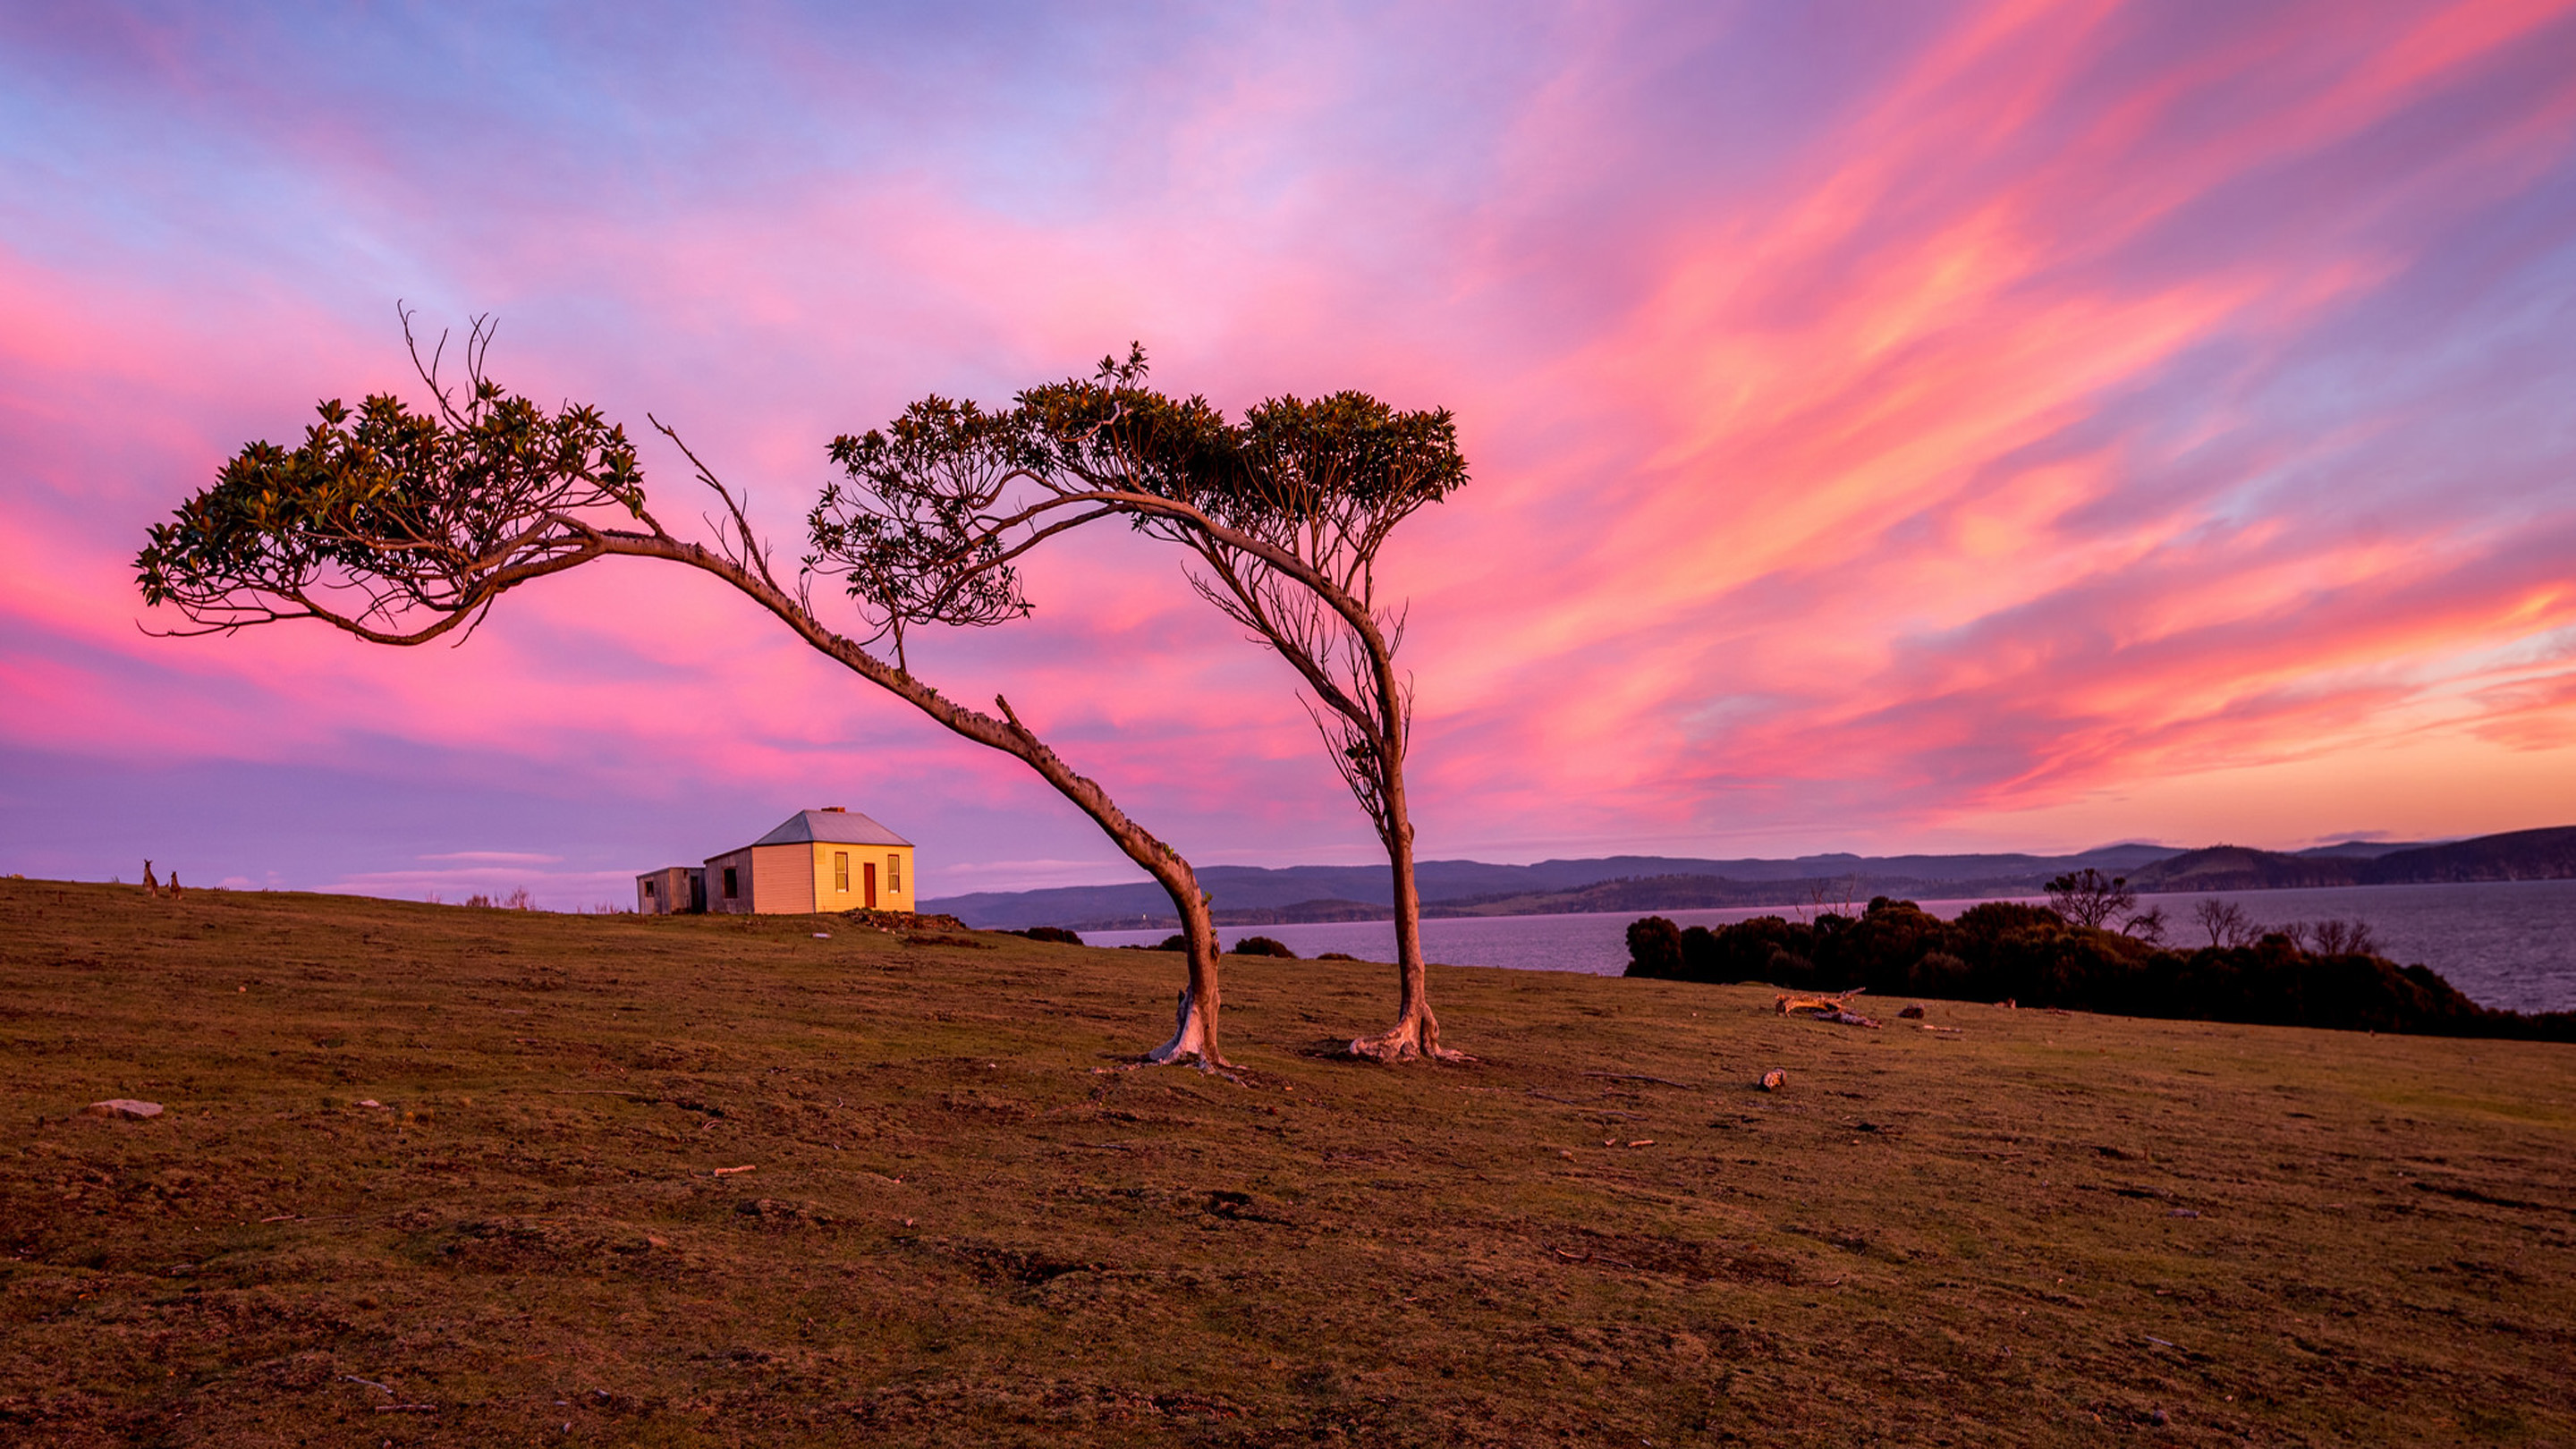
[{"x": 868, "y": 874}]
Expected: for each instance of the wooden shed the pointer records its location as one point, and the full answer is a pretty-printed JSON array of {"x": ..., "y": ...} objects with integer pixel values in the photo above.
[{"x": 671, "y": 891}]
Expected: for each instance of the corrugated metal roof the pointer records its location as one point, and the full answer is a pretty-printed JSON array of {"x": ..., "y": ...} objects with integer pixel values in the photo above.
[{"x": 833, "y": 827}]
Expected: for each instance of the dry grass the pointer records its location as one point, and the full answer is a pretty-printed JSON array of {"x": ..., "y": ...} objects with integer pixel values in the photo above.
[{"x": 959, "y": 1229}]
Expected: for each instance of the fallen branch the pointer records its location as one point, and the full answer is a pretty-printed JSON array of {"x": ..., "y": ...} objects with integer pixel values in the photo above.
[
  {"x": 1785, "y": 1003},
  {"x": 730, "y": 1171}
]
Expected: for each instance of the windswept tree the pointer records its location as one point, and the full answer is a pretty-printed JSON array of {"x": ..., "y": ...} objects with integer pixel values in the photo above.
[
  {"x": 401, "y": 526},
  {"x": 1284, "y": 514}
]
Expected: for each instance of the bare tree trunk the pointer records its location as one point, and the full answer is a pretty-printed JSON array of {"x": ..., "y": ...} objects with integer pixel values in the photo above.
[
  {"x": 1193, "y": 1024},
  {"x": 1416, "y": 1031},
  {"x": 1195, "y": 1033},
  {"x": 1194, "y": 1021}
]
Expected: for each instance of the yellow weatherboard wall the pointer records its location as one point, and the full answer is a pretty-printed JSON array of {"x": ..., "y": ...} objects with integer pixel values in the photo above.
[{"x": 834, "y": 891}]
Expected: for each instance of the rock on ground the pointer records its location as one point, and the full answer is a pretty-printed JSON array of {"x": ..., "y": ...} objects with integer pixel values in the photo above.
[{"x": 126, "y": 1108}]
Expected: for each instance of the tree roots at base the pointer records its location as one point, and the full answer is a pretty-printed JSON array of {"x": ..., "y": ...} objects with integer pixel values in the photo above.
[
  {"x": 1191, "y": 1040},
  {"x": 1417, "y": 1035}
]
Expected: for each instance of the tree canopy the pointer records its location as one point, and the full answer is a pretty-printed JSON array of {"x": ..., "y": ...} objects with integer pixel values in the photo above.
[{"x": 1283, "y": 511}]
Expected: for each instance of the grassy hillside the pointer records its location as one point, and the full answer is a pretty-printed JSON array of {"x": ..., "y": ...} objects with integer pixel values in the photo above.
[{"x": 963, "y": 1225}]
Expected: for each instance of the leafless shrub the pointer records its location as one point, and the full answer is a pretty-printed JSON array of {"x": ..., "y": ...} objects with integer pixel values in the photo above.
[
  {"x": 2226, "y": 922},
  {"x": 2343, "y": 938},
  {"x": 2147, "y": 925}
]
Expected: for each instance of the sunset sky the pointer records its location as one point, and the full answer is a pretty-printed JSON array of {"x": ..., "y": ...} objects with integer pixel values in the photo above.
[{"x": 1948, "y": 426}]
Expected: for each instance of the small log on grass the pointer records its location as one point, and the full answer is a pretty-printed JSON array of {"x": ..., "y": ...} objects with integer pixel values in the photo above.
[
  {"x": 1786, "y": 1003},
  {"x": 1832, "y": 1006}
]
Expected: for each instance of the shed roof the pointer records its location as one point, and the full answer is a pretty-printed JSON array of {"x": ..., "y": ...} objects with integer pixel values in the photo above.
[{"x": 834, "y": 827}]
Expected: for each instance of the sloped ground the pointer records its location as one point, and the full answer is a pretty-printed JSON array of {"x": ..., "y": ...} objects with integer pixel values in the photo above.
[{"x": 963, "y": 1225}]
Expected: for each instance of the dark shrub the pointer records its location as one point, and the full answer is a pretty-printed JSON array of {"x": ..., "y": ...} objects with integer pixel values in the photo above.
[
  {"x": 1263, "y": 946},
  {"x": 1938, "y": 974},
  {"x": 1654, "y": 948},
  {"x": 2003, "y": 950},
  {"x": 1174, "y": 942},
  {"x": 1335, "y": 956},
  {"x": 1788, "y": 968},
  {"x": 1880, "y": 949},
  {"x": 1699, "y": 954},
  {"x": 1058, "y": 934},
  {"x": 1743, "y": 951},
  {"x": 1995, "y": 919}
]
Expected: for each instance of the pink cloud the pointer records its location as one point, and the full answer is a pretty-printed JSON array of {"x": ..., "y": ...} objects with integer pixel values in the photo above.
[{"x": 1873, "y": 442}]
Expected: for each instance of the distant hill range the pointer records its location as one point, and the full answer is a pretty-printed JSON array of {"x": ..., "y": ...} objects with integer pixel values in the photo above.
[
  {"x": 1252, "y": 896},
  {"x": 2519, "y": 855}
]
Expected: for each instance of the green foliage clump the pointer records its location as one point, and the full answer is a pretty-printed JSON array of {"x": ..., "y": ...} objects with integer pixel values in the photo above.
[
  {"x": 2007, "y": 951},
  {"x": 384, "y": 513},
  {"x": 1263, "y": 946}
]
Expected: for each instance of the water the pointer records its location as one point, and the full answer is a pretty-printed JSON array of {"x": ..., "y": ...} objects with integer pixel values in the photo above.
[{"x": 2510, "y": 944}]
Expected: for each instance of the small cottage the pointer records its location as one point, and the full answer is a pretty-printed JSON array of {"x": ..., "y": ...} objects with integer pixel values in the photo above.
[{"x": 830, "y": 859}]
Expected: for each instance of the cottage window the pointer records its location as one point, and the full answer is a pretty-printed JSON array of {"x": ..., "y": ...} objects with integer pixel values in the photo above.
[
  {"x": 894, "y": 872},
  {"x": 729, "y": 884},
  {"x": 648, "y": 890},
  {"x": 841, "y": 871}
]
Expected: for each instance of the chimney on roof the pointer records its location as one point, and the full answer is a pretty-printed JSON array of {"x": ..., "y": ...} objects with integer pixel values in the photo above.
[{"x": 836, "y": 809}]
